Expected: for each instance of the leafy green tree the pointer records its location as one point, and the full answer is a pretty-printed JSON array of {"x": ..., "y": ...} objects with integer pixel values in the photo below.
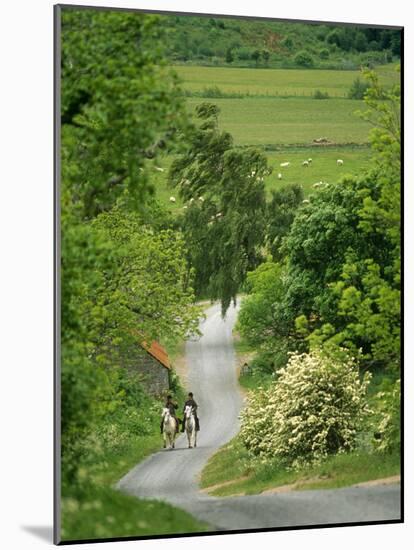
[
  {"x": 124, "y": 272},
  {"x": 256, "y": 55},
  {"x": 229, "y": 56},
  {"x": 281, "y": 211},
  {"x": 304, "y": 59},
  {"x": 224, "y": 219},
  {"x": 366, "y": 295},
  {"x": 120, "y": 104},
  {"x": 266, "y": 56},
  {"x": 261, "y": 316},
  {"x": 358, "y": 89}
]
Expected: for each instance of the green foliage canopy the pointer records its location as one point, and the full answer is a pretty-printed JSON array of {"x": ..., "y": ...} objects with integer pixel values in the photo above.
[{"x": 224, "y": 218}]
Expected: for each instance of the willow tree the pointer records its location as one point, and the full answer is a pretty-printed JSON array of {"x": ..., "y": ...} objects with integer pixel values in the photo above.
[{"x": 224, "y": 211}]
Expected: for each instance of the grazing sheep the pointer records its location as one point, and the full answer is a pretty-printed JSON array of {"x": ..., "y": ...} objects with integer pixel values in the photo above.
[
  {"x": 305, "y": 163},
  {"x": 218, "y": 215},
  {"x": 310, "y": 161},
  {"x": 339, "y": 162},
  {"x": 191, "y": 200},
  {"x": 305, "y": 201},
  {"x": 185, "y": 207},
  {"x": 159, "y": 169},
  {"x": 279, "y": 176},
  {"x": 172, "y": 199},
  {"x": 284, "y": 164},
  {"x": 201, "y": 199}
]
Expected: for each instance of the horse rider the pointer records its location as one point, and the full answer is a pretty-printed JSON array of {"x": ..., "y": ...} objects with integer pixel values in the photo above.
[
  {"x": 191, "y": 403},
  {"x": 171, "y": 406}
]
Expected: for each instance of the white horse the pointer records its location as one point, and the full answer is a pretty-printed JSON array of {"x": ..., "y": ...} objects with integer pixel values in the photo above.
[
  {"x": 169, "y": 430},
  {"x": 190, "y": 426}
]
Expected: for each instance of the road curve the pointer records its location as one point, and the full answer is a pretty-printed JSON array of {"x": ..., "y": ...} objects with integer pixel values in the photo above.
[{"x": 172, "y": 475}]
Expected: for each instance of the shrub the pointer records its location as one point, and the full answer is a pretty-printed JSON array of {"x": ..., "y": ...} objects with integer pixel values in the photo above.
[
  {"x": 320, "y": 95},
  {"x": 288, "y": 43},
  {"x": 324, "y": 53},
  {"x": 304, "y": 59},
  {"x": 388, "y": 436},
  {"x": 358, "y": 89},
  {"x": 314, "y": 409},
  {"x": 243, "y": 54}
]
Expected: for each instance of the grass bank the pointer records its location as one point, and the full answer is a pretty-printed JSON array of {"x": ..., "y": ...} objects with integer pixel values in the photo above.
[
  {"x": 232, "y": 472},
  {"x": 98, "y": 510}
]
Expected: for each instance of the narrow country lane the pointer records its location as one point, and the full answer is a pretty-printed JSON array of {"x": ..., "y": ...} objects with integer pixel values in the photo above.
[{"x": 172, "y": 475}]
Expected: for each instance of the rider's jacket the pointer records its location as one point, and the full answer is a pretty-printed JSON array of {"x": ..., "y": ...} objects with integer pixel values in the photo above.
[
  {"x": 171, "y": 407},
  {"x": 190, "y": 403}
]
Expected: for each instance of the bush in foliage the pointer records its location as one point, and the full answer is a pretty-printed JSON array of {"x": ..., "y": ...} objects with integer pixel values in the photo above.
[
  {"x": 388, "y": 402},
  {"x": 358, "y": 89},
  {"x": 314, "y": 409},
  {"x": 304, "y": 59},
  {"x": 320, "y": 95}
]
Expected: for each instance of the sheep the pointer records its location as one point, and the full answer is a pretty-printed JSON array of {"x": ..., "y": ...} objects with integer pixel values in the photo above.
[
  {"x": 201, "y": 199},
  {"x": 284, "y": 164},
  {"x": 305, "y": 163},
  {"x": 172, "y": 199},
  {"x": 310, "y": 161},
  {"x": 305, "y": 201},
  {"x": 185, "y": 207},
  {"x": 339, "y": 162},
  {"x": 191, "y": 200},
  {"x": 159, "y": 169},
  {"x": 279, "y": 176}
]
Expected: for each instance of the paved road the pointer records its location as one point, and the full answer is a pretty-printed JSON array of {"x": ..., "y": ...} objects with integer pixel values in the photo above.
[{"x": 172, "y": 475}]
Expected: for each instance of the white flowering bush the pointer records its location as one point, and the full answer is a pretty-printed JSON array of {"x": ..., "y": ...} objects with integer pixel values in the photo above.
[
  {"x": 314, "y": 408},
  {"x": 388, "y": 406}
]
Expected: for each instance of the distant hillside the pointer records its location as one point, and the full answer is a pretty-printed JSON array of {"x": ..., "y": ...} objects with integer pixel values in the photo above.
[{"x": 258, "y": 43}]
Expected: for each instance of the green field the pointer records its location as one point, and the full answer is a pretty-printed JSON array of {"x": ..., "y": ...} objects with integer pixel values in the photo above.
[
  {"x": 270, "y": 121},
  {"x": 276, "y": 82},
  {"x": 323, "y": 168},
  {"x": 284, "y": 128}
]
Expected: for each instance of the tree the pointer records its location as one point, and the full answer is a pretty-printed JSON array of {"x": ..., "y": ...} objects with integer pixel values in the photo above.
[
  {"x": 256, "y": 55},
  {"x": 229, "y": 56},
  {"x": 266, "y": 56},
  {"x": 124, "y": 272},
  {"x": 281, "y": 211},
  {"x": 224, "y": 223},
  {"x": 365, "y": 296},
  {"x": 304, "y": 59},
  {"x": 261, "y": 317},
  {"x": 120, "y": 105}
]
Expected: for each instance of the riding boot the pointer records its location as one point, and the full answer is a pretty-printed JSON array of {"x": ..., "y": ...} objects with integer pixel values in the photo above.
[
  {"x": 161, "y": 426},
  {"x": 183, "y": 426}
]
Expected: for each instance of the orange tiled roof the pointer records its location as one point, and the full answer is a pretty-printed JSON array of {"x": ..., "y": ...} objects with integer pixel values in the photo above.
[{"x": 158, "y": 352}]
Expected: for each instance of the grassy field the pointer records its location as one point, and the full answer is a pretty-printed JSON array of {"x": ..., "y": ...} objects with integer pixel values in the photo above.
[
  {"x": 231, "y": 472},
  {"x": 285, "y": 128},
  {"x": 276, "y": 82},
  {"x": 272, "y": 121},
  {"x": 323, "y": 168}
]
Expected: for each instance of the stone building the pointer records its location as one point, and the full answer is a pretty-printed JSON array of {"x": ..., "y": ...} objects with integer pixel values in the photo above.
[{"x": 153, "y": 364}]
